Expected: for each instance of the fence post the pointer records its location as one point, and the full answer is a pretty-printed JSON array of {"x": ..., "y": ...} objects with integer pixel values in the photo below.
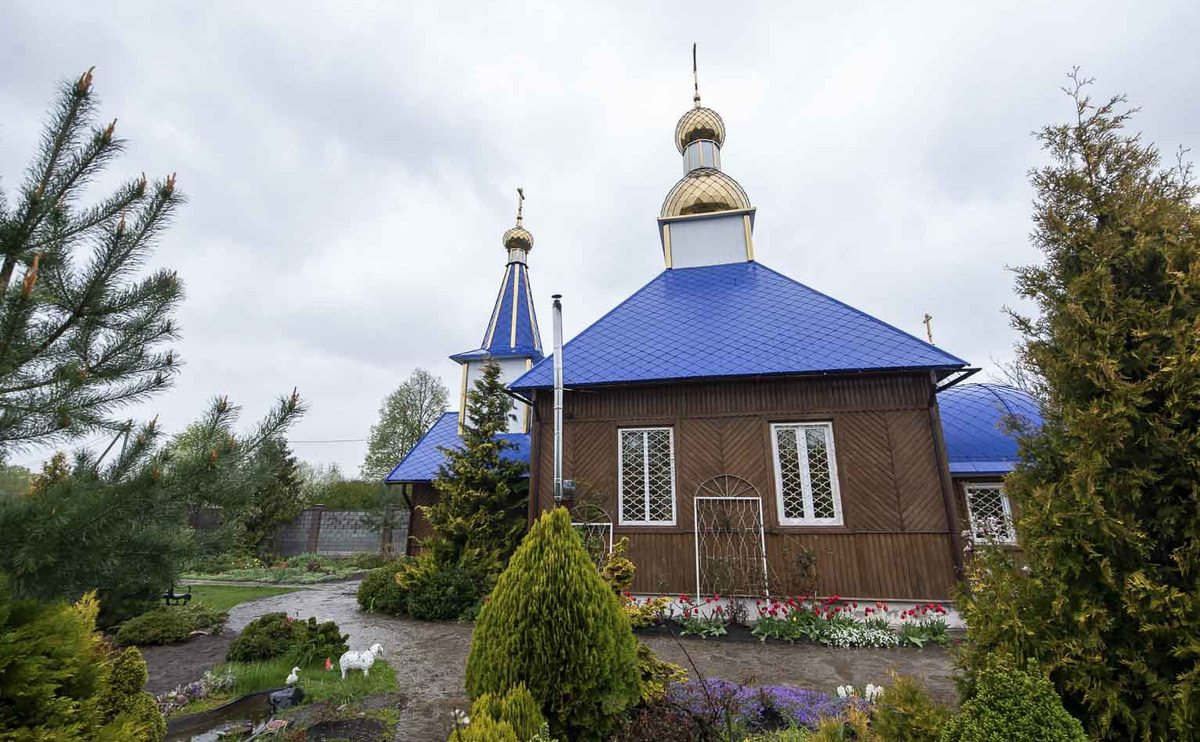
[{"x": 314, "y": 528}]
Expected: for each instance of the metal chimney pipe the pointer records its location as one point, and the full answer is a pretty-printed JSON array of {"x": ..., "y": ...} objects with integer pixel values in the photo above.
[{"x": 558, "y": 398}]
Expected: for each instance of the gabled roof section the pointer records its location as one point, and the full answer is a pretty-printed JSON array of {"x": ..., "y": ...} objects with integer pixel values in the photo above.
[
  {"x": 421, "y": 463},
  {"x": 977, "y": 421},
  {"x": 736, "y": 319},
  {"x": 512, "y": 329}
]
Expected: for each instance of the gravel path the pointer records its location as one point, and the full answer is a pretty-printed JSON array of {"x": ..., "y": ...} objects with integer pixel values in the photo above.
[{"x": 429, "y": 658}]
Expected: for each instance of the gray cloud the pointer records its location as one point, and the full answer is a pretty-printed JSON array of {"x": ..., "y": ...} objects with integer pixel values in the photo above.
[{"x": 350, "y": 166}]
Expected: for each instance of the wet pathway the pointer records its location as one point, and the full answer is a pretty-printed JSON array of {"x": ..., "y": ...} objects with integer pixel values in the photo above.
[{"x": 429, "y": 658}]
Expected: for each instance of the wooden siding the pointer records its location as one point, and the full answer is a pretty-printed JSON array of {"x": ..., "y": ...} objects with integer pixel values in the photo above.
[
  {"x": 895, "y": 541},
  {"x": 419, "y": 528}
]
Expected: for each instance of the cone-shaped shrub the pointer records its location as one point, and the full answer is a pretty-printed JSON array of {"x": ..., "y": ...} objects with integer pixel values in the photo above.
[
  {"x": 517, "y": 708},
  {"x": 553, "y": 624}
]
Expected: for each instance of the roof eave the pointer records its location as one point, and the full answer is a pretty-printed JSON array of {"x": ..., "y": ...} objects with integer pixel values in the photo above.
[{"x": 942, "y": 372}]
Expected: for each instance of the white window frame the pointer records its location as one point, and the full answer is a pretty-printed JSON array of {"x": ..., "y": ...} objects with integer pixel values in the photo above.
[
  {"x": 645, "y": 478},
  {"x": 806, "y": 483},
  {"x": 1009, "y": 538}
]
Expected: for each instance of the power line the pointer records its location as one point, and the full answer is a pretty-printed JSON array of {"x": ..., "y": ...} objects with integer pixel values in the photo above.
[{"x": 334, "y": 440}]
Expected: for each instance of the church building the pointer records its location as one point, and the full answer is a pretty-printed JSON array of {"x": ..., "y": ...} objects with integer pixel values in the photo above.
[{"x": 747, "y": 433}]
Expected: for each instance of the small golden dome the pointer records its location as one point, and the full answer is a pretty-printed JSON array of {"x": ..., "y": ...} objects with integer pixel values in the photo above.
[
  {"x": 518, "y": 238},
  {"x": 699, "y": 123},
  {"x": 703, "y": 191}
]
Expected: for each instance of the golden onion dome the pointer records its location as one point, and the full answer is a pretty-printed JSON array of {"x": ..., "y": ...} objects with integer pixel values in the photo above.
[
  {"x": 699, "y": 123},
  {"x": 703, "y": 191},
  {"x": 518, "y": 238}
]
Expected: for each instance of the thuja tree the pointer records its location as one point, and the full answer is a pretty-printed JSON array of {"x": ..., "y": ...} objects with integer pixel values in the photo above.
[
  {"x": 82, "y": 328},
  {"x": 119, "y": 525},
  {"x": 1108, "y": 492},
  {"x": 275, "y": 500},
  {"x": 482, "y": 491},
  {"x": 554, "y": 624}
]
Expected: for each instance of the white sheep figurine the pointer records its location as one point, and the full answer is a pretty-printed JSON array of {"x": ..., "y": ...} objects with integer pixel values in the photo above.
[{"x": 360, "y": 660}]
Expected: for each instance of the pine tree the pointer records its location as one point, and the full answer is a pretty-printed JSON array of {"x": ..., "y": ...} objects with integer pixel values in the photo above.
[
  {"x": 404, "y": 417},
  {"x": 120, "y": 527},
  {"x": 483, "y": 494},
  {"x": 81, "y": 333},
  {"x": 1108, "y": 492}
]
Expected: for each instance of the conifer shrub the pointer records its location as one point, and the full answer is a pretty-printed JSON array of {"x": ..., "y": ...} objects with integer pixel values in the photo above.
[
  {"x": 657, "y": 675},
  {"x": 58, "y": 680},
  {"x": 517, "y": 708},
  {"x": 125, "y": 705},
  {"x": 485, "y": 729},
  {"x": 906, "y": 713},
  {"x": 437, "y": 589},
  {"x": 169, "y": 624},
  {"x": 278, "y": 634},
  {"x": 380, "y": 592},
  {"x": 1012, "y": 705},
  {"x": 555, "y": 625},
  {"x": 270, "y": 635}
]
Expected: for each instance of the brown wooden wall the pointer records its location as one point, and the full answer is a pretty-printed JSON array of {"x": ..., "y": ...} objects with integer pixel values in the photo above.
[
  {"x": 419, "y": 528},
  {"x": 895, "y": 541}
]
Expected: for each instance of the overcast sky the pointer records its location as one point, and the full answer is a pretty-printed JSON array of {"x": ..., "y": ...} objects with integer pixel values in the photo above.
[{"x": 350, "y": 166}]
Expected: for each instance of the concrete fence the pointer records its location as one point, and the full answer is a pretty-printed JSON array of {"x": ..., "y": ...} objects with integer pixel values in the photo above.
[{"x": 330, "y": 532}]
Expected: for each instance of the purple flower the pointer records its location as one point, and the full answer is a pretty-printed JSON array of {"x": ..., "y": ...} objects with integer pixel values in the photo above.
[{"x": 765, "y": 707}]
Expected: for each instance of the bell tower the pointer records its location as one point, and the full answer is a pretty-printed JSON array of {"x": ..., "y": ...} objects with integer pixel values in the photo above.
[{"x": 511, "y": 338}]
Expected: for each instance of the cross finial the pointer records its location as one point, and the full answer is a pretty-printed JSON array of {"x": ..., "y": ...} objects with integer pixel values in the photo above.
[
  {"x": 520, "y": 203},
  {"x": 928, "y": 322},
  {"x": 695, "y": 79}
]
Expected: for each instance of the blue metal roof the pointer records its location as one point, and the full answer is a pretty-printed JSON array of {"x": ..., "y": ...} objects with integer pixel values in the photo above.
[
  {"x": 737, "y": 319},
  {"x": 422, "y": 462},
  {"x": 512, "y": 328},
  {"x": 977, "y": 420}
]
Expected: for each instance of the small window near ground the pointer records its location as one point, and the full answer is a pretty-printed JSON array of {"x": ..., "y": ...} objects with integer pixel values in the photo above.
[
  {"x": 806, "y": 474},
  {"x": 989, "y": 514},
  {"x": 646, "y": 463}
]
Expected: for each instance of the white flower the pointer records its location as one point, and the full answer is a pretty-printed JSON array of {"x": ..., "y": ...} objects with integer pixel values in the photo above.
[
  {"x": 873, "y": 692},
  {"x": 460, "y": 718}
]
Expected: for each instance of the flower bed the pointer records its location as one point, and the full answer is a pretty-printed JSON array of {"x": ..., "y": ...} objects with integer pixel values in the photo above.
[
  {"x": 831, "y": 621},
  {"x": 764, "y": 708}
]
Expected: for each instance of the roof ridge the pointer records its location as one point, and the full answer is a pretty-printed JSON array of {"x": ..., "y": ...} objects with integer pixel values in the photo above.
[{"x": 856, "y": 310}]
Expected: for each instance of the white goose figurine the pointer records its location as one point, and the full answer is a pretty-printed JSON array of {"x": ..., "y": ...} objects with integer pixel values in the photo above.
[{"x": 294, "y": 677}]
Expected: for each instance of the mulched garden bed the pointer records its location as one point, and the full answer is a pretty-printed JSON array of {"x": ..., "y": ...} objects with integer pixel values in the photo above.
[
  {"x": 172, "y": 665},
  {"x": 735, "y": 632},
  {"x": 352, "y": 730}
]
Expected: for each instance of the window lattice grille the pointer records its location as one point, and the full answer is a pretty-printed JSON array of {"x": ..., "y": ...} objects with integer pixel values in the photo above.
[
  {"x": 989, "y": 514},
  {"x": 820, "y": 481},
  {"x": 808, "y": 491},
  {"x": 647, "y": 476}
]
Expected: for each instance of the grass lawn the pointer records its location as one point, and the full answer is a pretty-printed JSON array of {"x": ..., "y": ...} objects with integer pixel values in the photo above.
[
  {"x": 318, "y": 683},
  {"x": 224, "y": 597}
]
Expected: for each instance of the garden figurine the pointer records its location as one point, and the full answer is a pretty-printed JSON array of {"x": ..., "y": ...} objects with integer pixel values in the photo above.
[
  {"x": 360, "y": 660},
  {"x": 294, "y": 677}
]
